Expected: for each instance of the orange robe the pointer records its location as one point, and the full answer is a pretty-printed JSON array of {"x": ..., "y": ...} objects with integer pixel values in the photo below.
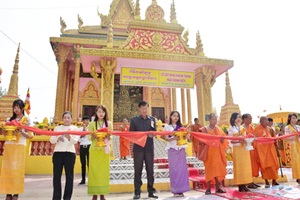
[
  {"x": 253, "y": 154},
  {"x": 124, "y": 144},
  {"x": 267, "y": 154},
  {"x": 195, "y": 142},
  {"x": 215, "y": 164}
]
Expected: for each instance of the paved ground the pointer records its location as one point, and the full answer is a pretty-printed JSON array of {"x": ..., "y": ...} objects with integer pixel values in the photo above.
[{"x": 39, "y": 187}]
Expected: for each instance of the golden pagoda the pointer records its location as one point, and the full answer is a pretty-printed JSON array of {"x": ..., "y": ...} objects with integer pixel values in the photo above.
[
  {"x": 229, "y": 106},
  {"x": 12, "y": 94},
  {"x": 116, "y": 62}
]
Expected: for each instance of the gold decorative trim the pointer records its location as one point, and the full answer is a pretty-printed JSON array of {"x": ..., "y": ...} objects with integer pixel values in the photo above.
[
  {"x": 84, "y": 41},
  {"x": 154, "y": 56}
]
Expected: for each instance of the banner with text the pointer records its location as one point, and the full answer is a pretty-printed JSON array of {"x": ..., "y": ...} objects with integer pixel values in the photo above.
[{"x": 156, "y": 78}]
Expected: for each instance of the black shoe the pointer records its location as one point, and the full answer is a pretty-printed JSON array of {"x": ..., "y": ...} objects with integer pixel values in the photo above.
[
  {"x": 151, "y": 195},
  {"x": 137, "y": 196},
  {"x": 81, "y": 183}
]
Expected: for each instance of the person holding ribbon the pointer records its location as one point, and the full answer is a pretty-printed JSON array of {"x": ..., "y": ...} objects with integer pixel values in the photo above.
[
  {"x": 143, "y": 122},
  {"x": 99, "y": 174},
  {"x": 290, "y": 128},
  {"x": 215, "y": 163},
  {"x": 178, "y": 169},
  {"x": 267, "y": 155},
  {"x": 64, "y": 156},
  {"x": 13, "y": 162},
  {"x": 242, "y": 171}
]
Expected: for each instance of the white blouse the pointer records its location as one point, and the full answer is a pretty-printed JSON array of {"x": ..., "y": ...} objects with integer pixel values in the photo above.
[
  {"x": 66, "y": 145},
  {"x": 287, "y": 130},
  {"x": 173, "y": 143},
  {"x": 231, "y": 131}
]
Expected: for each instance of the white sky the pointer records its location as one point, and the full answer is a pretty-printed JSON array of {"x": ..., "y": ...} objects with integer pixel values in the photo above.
[{"x": 262, "y": 37}]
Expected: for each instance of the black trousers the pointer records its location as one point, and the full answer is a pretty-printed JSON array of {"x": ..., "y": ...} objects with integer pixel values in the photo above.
[
  {"x": 139, "y": 158},
  {"x": 84, "y": 159},
  {"x": 62, "y": 160}
]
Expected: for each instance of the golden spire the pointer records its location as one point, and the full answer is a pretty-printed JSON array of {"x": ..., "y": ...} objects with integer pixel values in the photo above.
[
  {"x": 137, "y": 12},
  {"x": 173, "y": 19},
  {"x": 13, "y": 85},
  {"x": 228, "y": 93},
  {"x": 110, "y": 36},
  {"x": 154, "y": 2},
  {"x": 199, "y": 46}
]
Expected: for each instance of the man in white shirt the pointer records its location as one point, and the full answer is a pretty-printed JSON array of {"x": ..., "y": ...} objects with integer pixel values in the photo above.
[{"x": 84, "y": 149}]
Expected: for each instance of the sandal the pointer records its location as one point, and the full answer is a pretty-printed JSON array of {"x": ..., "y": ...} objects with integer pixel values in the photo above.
[
  {"x": 15, "y": 197},
  {"x": 220, "y": 191},
  {"x": 179, "y": 195},
  {"x": 207, "y": 192},
  {"x": 8, "y": 197}
]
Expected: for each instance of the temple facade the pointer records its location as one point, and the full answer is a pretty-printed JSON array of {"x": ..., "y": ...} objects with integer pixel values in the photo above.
[{"x": 91, "y": 62}]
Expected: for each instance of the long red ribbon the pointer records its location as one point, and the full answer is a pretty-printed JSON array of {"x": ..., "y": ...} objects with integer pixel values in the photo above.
[{"x": 141, "y": 137}]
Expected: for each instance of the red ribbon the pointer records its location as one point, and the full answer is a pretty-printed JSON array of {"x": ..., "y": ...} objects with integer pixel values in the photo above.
[{"x": 141, "y": 137}]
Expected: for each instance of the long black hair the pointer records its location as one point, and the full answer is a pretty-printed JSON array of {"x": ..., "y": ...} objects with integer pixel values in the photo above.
[
  {"x": 178, "y": 123},
  {"x": 105, "y": 119},
  {"x": 233, "y": 118},
  {"x": 20, "y": 103},
  {"x": 290, "y": 117}
]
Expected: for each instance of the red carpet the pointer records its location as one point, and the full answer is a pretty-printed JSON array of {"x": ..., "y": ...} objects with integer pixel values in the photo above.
[{"x": 236, "y": 195}]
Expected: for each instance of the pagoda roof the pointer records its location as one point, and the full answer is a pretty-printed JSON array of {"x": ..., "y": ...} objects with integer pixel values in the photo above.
[{"x": 150, "y": 43}]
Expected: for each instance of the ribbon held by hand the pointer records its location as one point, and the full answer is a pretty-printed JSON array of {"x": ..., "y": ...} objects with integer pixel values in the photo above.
[{"x": 181, "y": 133}]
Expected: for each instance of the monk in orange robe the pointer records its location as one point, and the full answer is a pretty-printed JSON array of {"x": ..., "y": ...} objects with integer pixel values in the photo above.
[
  {"x": 247, "y": 119},
  {"x": 124, "y": 144},
  {"x": 215, "y": 163},
  {"x": 196, "y": 127},
  {"x": 266, "y": 153}
]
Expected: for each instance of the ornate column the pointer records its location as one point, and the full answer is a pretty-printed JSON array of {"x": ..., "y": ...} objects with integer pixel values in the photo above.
[
  {"x": 108, "y": 66},
  {"x": 183, "y": 112},
  {"x": 189, "y": 103},
  {"x": 66, "y": 86},
  {"x": 62, "y": 53},
  {"x": 205, "y": 78},
  {"x": 76, "y": 50},
  {"x": 174, "y": 101}
]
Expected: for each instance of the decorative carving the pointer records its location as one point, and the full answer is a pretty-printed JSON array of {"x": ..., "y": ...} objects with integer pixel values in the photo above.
[
  {"x": 94, "y": 74},
  {"x": 156, "y": 41},
  {"x": 90, "y": 95},
  {"x": 120, "y": 10},
  {"x": 209, "y": 77},
  {"x": 155, "y": 12},
  {"x": 108, "y": 66},
  {"x": 63, "y": 25},
  {"x": 186, "y": 37},
  {"x": 110, "y": 36},
  {"x": 76, "y": 52},
  {"x": 199, "y": 46},
  {"x": 80, "y": 22},
  {"x": 63, "y": 54}
]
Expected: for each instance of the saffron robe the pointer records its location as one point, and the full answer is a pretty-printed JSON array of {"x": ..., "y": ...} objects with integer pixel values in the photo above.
[
  {"x": 124, "y": 144},
  {"x": 242, "y": 171},
  {"x": 267, "y": 154},
  {"x": 215, "y": 163}
]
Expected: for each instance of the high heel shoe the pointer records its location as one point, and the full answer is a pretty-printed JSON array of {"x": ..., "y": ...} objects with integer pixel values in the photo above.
[
  {"x": 102, "y": 197},
  {"x": 94, "y": 197}
]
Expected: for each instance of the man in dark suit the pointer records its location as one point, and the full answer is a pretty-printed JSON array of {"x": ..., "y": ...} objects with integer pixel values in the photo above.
[{"x": 143, "y": 122}]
